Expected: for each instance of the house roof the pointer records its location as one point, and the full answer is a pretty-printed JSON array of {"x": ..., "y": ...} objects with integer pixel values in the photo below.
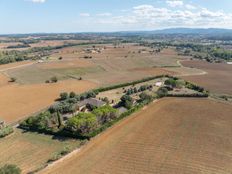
[{"x": 91, "y": 101}]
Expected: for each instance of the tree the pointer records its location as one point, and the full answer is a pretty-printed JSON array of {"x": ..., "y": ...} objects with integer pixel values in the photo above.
[
  {"x": 143, "y": 96},
  {"x": 171, "y": 82},
  {"x": 105, "y": 114},
  {"x": 82, "y": 124},
  {"x": 72, "y": 95},
  {"x": 126, "y": 101},
  {"x": 13, "y": 79},
  {"x": 54, "y": 79},
  {"x": 63, "y": 95},
  {"x": 60, "y": 121},
  {"x": 162, "y": 92},
  {"x": 10, "y": 169}
]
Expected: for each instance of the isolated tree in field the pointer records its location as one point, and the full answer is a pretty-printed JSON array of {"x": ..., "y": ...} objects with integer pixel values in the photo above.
[
  {"x": 13, "y": 79},
  {"x": 10, "y": 169},
  {"x": 63, "y": 95},
  {"x": 54, "y": 79}
]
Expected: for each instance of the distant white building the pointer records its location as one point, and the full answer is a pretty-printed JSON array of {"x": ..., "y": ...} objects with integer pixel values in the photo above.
[{"x": 158, "y": 84}]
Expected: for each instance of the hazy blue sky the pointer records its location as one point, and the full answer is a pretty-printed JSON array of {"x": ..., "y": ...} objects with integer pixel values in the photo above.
[{"x": 29, "y": 16}]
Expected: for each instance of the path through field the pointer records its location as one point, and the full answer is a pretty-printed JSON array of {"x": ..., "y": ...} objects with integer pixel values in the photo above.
[{"x": 177, "y": 136}]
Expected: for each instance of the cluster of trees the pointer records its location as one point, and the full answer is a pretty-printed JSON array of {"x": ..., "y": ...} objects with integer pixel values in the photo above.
[
  {"x": 174, "y": 82},
  {"x": 18, "y": 46},
  {"x": 12, "y": 56},
  {"x": 80, "y": 125},
  {"x": 6, "y": 131},
  {"x": 195, "y": 87},
  {"x": 43, "y": 122},
  {"x": 222, "y": 53},
  {"x": 10, "y": 169},
  {"x": 129, "y": 83},
  {"x": 51, "y": 120},
  {"x": 140, "y": 89}
]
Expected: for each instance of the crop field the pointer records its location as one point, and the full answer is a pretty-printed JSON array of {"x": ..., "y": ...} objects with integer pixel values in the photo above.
[
  {"x": 218, "y": 78},
  {"x": 31, "y": 151},
  {"x": 110, "y": 65},
  {"x": 19, "y": 101},
  {"x": 173, "y": 135},
  {"x": 37, "y": 73}
]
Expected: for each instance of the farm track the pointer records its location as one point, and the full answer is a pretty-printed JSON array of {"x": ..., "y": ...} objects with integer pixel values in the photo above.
[{"x": 173, "y": 135}]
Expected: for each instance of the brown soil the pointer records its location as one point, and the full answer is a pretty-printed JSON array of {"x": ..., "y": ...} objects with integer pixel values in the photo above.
[
  {"x": 19, "y": 101},
  {"x": 182, "y": 136},
  {"x": 218, "y": 79},
  {"x": 4, "y": 80}
]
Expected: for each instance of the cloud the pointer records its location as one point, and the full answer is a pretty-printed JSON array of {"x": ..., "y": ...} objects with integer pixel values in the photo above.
[
  {"x": 175, "y": 3},
  {"x": 37, "y": 1},
  {"x": 151, "y": 17},
  {"x": 190, "y": 7},
  {"x": 104, "y": 14},
  {"x": 84, "y": 14}
]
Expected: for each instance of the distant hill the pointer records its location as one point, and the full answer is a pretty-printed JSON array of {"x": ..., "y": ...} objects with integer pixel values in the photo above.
[{"x": 208, "y": 31}]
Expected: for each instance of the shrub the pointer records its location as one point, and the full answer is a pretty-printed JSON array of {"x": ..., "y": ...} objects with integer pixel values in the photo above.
[
  {"x": 6, "y": 131},
  {"x": 10, "y": 169},
  {"x": 60, "y": 154}
]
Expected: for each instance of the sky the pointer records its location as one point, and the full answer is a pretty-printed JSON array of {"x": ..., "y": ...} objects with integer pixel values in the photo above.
[{"x": 63, "y": 16}]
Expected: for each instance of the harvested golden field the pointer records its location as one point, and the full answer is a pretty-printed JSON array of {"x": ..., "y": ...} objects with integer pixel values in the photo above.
[
  {"x": 76, "y": 63},
  {"x": 31, "y": 151},
  {"x": 153, "y": 71},
  {"x": 15, "y": 65},
  {"x": 53, "y": 43},
  {"x": 20, "y": 101},
  {"x": 218, "y": 78},
  {"x": 173, "y": 135}
]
